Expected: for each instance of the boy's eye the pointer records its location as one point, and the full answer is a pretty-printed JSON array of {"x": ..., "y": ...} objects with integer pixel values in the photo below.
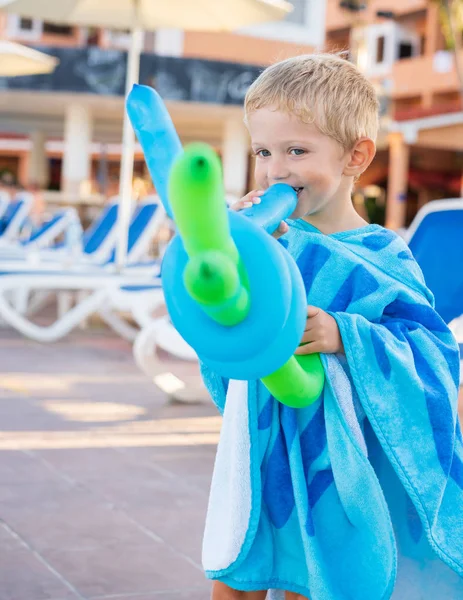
[
  {"x": 263, "y": 153},
  {"x": 297, "y": 151}
]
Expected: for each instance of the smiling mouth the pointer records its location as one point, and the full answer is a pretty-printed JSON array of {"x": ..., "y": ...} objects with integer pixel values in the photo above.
[{"x": 298, "y": 190}]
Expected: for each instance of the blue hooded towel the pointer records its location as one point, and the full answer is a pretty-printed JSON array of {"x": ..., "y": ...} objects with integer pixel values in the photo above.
[{"x": 360, "y": 495}]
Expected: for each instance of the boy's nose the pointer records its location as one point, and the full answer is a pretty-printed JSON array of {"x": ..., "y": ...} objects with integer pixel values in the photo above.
[{"x": 277, "y": 171}]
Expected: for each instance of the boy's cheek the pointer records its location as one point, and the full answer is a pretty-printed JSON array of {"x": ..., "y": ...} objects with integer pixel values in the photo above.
[{"x": 261, "y": 178}]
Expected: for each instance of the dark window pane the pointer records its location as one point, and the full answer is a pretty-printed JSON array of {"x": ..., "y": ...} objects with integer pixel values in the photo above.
[
  {"x": 380, "y": 43},
  {"x": 26, "y": 24},
  {"x": 57, "y": 29},
  {"x": 405, "y": 50}
]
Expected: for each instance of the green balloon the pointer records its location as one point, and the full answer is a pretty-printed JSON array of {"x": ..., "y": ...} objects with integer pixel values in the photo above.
[
  {"x": 299, "y": 382},
  {"x": 215, "y": 276},
  {"x": 196, "y": 177},
  {"x": 213, "y": 280}
]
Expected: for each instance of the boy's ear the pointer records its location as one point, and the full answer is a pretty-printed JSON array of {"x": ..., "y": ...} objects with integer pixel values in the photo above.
[{"x": 360, "y": 157}]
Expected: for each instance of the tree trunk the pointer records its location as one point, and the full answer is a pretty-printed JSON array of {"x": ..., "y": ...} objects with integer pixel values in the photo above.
[{"x": 455, "y": 37}]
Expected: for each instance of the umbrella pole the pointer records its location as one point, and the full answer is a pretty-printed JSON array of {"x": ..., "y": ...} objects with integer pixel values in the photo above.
[{"x": 128, "y": 151}]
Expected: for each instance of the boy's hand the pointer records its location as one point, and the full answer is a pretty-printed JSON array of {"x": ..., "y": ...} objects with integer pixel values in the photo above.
[
  {"x": 253, "y": 197},
  {"x": 321, "y": 333}
]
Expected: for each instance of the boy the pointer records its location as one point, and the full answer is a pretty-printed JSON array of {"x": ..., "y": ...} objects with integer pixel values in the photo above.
[{"x": 356, "y": 497}]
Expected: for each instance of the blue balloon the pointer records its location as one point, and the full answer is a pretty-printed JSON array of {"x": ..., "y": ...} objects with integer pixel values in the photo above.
[
  {"x": 157, "y": 136},
  {"x": 285, "y": 340},
  {"x": 273, "y": 328},
  {"x": 270, "y": 333},
  {"x": 276, "y": 205}
]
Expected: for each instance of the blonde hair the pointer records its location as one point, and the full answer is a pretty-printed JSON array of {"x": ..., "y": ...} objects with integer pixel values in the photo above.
[{"x": 323, "y": 89}]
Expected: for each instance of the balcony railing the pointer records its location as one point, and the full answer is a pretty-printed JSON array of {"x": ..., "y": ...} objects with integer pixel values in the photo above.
[
  {"x": 423, "y": 75},
  {"x": 419, "y": 112},
  {"x": 338, "y": 18}
]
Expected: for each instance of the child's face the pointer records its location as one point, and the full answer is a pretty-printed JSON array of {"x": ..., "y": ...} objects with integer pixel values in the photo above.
[{"x": 290, "y": 151}]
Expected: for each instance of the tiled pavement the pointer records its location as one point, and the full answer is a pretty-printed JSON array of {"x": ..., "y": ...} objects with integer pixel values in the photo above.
[{"x": 103, "y": 481}]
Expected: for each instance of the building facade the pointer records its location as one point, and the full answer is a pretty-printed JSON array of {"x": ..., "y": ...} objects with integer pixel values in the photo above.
[
  {"x": 400, "y": 46},
  {"x": 63, "y": 131}
]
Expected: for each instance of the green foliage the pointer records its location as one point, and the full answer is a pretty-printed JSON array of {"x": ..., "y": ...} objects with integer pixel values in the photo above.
[{"x": 451, "y": 13}]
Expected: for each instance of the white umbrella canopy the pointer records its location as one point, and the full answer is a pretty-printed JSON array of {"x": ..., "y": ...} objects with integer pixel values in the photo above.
[
  {"x": 17, "y": 60},
  {"x": 153, "y": 14},
  {"x": 139, "y": 15}
]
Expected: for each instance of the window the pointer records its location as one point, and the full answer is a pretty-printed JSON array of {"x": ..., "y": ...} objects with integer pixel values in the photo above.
[
  {"x": 405, "y": 50},
  {"x": 53, "y": 29},
  {"x": 26, "y": 24},
  {"x": 380, "y": 45},
  {"x": 383, "y": 44},
  {"x": 298, "y": 14},
  {"x": 23, "y": 29}
]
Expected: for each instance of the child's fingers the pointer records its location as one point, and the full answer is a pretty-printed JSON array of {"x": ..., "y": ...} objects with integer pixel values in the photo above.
[
  {"x": 240, "y": 205},
  {"x": 253, "y": 197},
  {"x": 247, "y": 201},
  {"x": 310, "y": 326},
  {"x": 281, "y": 230},
  {"x": 312, "y": 311},
  {"x": 301, "y": 350},
  {"x": 310, "y": 348},
  {"x": 308, "y": 337}
]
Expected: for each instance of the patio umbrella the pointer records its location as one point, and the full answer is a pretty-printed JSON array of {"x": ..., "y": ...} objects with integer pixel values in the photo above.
[
  {"x": 137, "y": 16},
  {"x": 17, "y": 60}
]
